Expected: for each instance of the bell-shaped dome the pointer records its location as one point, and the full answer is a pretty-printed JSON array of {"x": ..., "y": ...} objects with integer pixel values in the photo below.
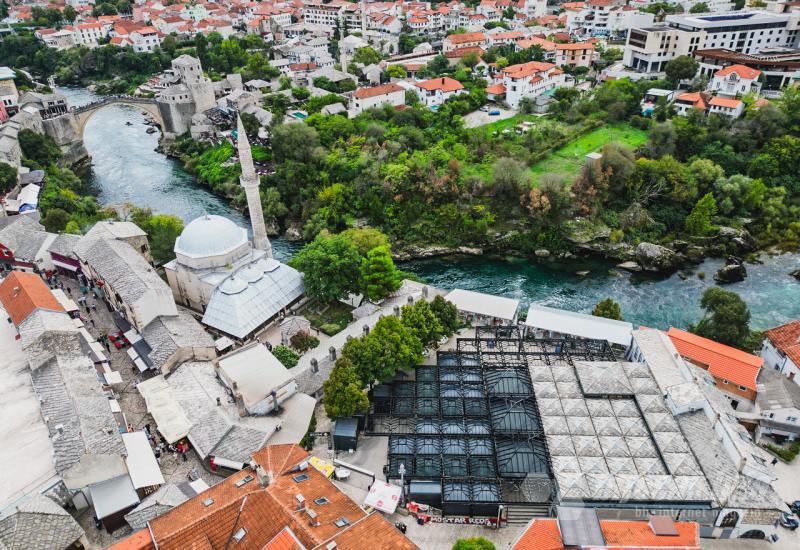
[
  {"x": 232, "y": 285},
  {"x": 251, "y": 274},
  {"x": 210, "y": 235}
]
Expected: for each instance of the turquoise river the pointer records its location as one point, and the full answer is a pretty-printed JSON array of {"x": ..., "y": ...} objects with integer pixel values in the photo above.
[{"x": 126, "y": 168}]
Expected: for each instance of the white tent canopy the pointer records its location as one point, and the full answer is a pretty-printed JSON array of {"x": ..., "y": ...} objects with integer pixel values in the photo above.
[
  {"x": 142, "y": 465},
  {"x": 485, "y": 305},
  {"x": 167, "y": 412},
  {"x": 112, "y": 496},
  {"x": 383, "y": 496},
  {"x": 579, "y": 324}
]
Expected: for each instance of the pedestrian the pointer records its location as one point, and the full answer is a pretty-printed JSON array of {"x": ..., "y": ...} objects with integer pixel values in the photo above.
[
  {"x": 91, "y": 320},
  {"x": 108, "y": 346},
  {"x": 69, "y": 291},
  {"x": 94, "y": 306}
]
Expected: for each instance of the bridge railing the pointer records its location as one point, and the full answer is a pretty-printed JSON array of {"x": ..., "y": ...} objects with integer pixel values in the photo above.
[{"x": 107, "y": 100}]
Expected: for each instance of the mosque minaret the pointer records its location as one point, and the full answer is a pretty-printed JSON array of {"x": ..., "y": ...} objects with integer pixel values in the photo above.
[{"x": 250, "y": 181}]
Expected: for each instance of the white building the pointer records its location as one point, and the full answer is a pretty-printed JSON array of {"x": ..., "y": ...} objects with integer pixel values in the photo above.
[
  {"x": 554, "y": 323},
  {"x": 436, "y": 91},
  {"x": 650, "y": 48},
  {"x": 367, "y": 98},
  {"x": 89, "y": 34},
  {"x": 724, "y": 106},
  {"x": 735, "y": 80},
  {"x": 145, "y": 39},
  {"x": 484, "y": 309},
  {"x": 778, "y": 403},
  {"x": 781, "y": 350},
  {"x": 530, "y": 79}
]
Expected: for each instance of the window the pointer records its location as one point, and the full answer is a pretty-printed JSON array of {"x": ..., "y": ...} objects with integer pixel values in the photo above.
[
  {"x": 301, "y": 478},
  {"x": 244, "y": 481},
  {"x": 239, "y": 535},
  {"x": 321, "y": 501},
  {"x": 742, "y": 388},
  {"x": 341, "y": 522},
  {"x": 791, "y": 419},
  {"x": 725, "y": 382}
]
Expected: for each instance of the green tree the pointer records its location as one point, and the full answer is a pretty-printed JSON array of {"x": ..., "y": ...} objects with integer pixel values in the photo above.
[
  {"x": 69, "y": 14},
  {"x": 8, "y": 177},
  {"x": 162, "y": 231},
  {"x": 343, "y": 392},
  {"x": 331, "y": 265},
  {"x": 680, "y": 68},
  {"x": 366, "y": 56},
  {"x": 700, "y": 7},
  {"x": 510, "y": 177},
  {"x": 396, "y": 71},
  {"x": 447, "y": 314},
  {"x": 55, "y": 220},
  {"x": 379, "y": 276},
  {"x": 40, "y": 149},
  {"x": 422, "y": 321},
  {"x": 609, "y": 309},
  {"x": 725, "y": 320},
  {"x": 296, "y": 142},
  {"x": 387, "y": 349},
  {"x": 365, "y": 238},
  {"x": 274, "y": 208},
  {"x": 698, "y": 222},
  {"x": 474, "y": 543},
  {"x": 286, "y": 356}
]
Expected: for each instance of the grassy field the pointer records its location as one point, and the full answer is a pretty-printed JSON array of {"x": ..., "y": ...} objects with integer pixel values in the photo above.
[
  {"x": 569, "y": 159},
  {"x": 508, "y": 123}
]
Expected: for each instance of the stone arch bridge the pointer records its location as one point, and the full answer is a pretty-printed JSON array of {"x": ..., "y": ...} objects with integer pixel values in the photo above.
[{"x": 83, "y": 113}]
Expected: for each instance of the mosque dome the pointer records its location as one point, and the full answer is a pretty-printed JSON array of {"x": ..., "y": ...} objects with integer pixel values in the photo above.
[
  {"x": 251, "y": 274},
  {"x": 232, "y": 285},
  {"x": 209, "y": 236}
]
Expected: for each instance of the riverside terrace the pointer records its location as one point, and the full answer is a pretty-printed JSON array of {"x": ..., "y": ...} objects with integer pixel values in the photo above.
[{"x": 529, "y": 423}]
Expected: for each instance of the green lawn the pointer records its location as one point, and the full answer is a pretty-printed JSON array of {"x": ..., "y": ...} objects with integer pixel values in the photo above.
[
  {"x": 329, "y": 318},
  {"x": 569, "y": 159},
  {"x": 508, "y": 123}
]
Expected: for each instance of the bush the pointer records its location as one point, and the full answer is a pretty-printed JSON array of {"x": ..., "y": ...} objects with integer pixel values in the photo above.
[
  {"x": 787, "y": 455},
  {"x": 286, "y": 356},
  {"x": 303, "y": 341}
]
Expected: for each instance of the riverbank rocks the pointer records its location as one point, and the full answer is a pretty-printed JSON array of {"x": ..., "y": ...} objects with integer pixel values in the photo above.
[
  {"x": 656, "y": 258},
  {"x": 583, "y": 231},
  {"x": 732, "y": 272},
  {"x": 414, "y": 252},
  {"x": 795, "y": 274},
  {"x": 630, "y": 266},
  {"x": 735, "y": 241},
  {"x": 294, "y": 232},
  {"x": 542, "y": 253}
]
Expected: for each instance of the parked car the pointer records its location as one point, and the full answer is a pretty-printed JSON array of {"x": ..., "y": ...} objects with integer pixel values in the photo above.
[
  {"x": 789, "y": 521},
  {"x": 795, "y": 507},
  {"x": 485, "y": 108},
  {"x": 496, "y": 112}
]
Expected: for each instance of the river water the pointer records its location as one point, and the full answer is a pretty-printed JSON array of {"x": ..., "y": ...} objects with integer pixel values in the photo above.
[{"x": 126, "y": 168}]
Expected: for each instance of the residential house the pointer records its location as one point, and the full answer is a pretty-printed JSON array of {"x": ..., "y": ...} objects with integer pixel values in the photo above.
[
  {"x": 367, "y": 98},
  {"x": 436, "y": 91},
  {"x": 778, "y": 405},
  {"x": 530, "y": 79},
  {"x": 9, "y": 96},
  {"x": 734, "y": 371},
  {"x": 735, "y": 80},
  {"x": 145, "y": 39},
  {"x": 732, "y": 108},
  {"x": 578, "y": 54},
  {"x": 90, "y": 34},
  {"x": 781, "y": 350},
  {"x": 464, "y": 40},
  {"x": 685, "y": 102}
]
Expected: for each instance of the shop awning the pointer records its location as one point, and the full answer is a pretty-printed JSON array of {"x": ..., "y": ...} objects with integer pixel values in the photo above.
[
  {"x": 167, "y": 412},
  {"x": 112, "y": 377},
  {"x": 112, "y": 496},
  {"x": 383, "y": 496},
  {"x": 65, "y": 265},
  {"x": 142, "y": 464},
  {"x": 121, "y": 322}
]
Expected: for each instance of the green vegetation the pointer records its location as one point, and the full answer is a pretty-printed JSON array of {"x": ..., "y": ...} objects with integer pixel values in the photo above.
[
  {"x": 162, "y": 231},
  {"x": 609, "y": 309},
  {"x": 286, "y": 356},
  {"x": 787, "y": 455},
  {"x": 8, "y": 177},
  {"x": 344, "y": 394},
  {"x": 329, "y": 318},
  {"x": 726, "y": 320},
  {"x": 474, "y": 543},
  {"x": 568, "y": 160},
  {"x": 379, "y": 275},
  {"x": 303, "y": 341}
]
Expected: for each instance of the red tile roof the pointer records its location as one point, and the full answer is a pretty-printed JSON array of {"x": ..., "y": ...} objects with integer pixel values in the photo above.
[
  {"x": 363, "y": 93},
  {"x": 462, "y": 52},
  {"x": 731, "y": 364},
  {"x": 724, "y": 102},
  {"x": 742, "y": 70},
  {"x": 697, "y": 100},
  {"x": 786, "y": 338},
  {"x": 444, "y": 84},
  {"x": 544, "y": 534},
  {"x": 575, "y": 46},
  {"x": 496, "y": 89},
  {"x": 466, "y": 37},
  {"x": 22, "y": 293}
]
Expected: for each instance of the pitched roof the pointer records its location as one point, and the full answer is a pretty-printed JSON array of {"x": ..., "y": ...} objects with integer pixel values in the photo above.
[
  {"x": 22, "y": 293},
  {"x": 544, "y": 534},
  {"x": 37, "y": 524},
  {"x": 444, "y": 84},
  {"x": 466, "y": 37},
  {"x": 496, "y": 89},
  {"x": 575, "y": 46},
  {"x": 364, "y": 93},
  {"x": 724, "y": 102},
  {"x": 777, "y": 391},
  {"x": 723, "y": 361},
  {"x": 786, "y": 338},
  {"x": 742, "y": 70},
  {"x": 694, "y": 98}
]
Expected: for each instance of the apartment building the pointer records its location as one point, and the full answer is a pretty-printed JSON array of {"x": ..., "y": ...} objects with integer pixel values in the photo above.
[
  {"x": 89, "y": 34},
  {"x": 436, "y": 91},
  {"x": 465, "y": 40},
  {"x": 735, "y": 80},
  {"x": 530, "y": 79},
  {"x": 649, "y": 49},
  {"x": 578, "y": 54},
  {"x": 366, "y": 98}
]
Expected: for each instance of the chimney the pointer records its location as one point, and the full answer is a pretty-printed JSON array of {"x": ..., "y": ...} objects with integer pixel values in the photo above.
[
  {"x": 301, "y": 501},
  {"x": 332, "y": 353},
  {"x": 314, "y": 366},
  {"x": 365, "y": 329},
  {"x": 263, "y": 476}
]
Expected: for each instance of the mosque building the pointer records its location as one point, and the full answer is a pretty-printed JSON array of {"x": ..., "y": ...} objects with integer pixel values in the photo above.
[{"x": 217, "y": 270}]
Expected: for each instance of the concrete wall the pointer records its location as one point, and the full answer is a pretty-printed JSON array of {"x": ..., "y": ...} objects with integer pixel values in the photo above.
[{"x": 177, "y": 117}]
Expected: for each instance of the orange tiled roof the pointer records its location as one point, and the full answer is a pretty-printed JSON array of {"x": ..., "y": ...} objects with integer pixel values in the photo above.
[
  {"x": 724, "y": 102},
  {"x": 285, "y": 540},
  {"x": 544, "y": 534},
  {"x": 524, "y": 70},
  {"x": 786, "y": 338},
  {"x": 444, "y": 84},
  {"x": 466, "y": 37},
  {"x": 723, "y": 361},
  {"x": 742, "y": 70},
  {"x": 575, "y": 46},
  {"x": 363, "y": 93},
  {"x": 496, "y": 89},
  {"x": 694, "y": 98},
  {"x": 22, "y": 293}
]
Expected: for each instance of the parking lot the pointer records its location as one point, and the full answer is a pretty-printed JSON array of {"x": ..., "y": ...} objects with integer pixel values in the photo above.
[{"x": 481, "y": 118}]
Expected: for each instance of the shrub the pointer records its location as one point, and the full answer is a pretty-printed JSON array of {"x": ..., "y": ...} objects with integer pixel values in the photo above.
[
  {"x": 286, "y": 356},
  {"x": 303, "y": 341}
]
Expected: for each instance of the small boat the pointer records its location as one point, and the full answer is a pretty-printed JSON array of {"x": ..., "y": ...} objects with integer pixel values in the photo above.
[{"x": 129, "y": 123}]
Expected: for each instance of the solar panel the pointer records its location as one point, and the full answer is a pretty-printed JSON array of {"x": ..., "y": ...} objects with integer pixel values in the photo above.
[{"x": 579, "y": 527}]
